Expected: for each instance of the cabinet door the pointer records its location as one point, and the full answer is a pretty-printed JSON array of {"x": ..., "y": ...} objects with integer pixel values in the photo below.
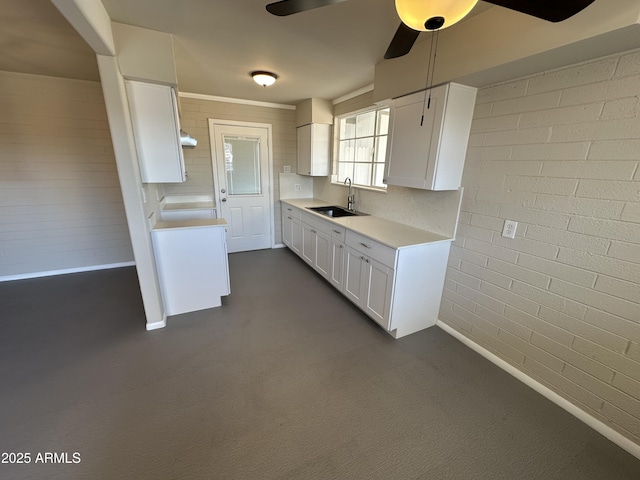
[
  {"x": 296, "y": 235},
  {"x": 413, "y": 143},
  {"x": 378, "y": 286},
  {"x": 323, "y": 254},
  {"x": 304, "y": 149},
  {"x": 353, "y": 275},
  {"x": 314, "y": 146},
  {"x": 156, "y": 127},
  {"x": 308, "y": 244},
  {"x": 337, "y": 263},
  {"x": 286, "y": 228}
]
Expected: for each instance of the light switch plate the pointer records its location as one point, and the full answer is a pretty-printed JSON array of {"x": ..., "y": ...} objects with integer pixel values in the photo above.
[
  {"x": 287, "y": 169},
  {"x": 509, "y": 230}
]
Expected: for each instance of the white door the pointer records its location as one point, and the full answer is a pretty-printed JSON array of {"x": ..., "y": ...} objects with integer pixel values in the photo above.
[{"x": 241, "y": 176}]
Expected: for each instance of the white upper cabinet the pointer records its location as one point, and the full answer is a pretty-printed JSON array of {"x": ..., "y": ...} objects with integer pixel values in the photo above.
[
  {"x": 156, "y": 127},
  {"x": 429, "y": 133},
  {"x": 314, "y": 118},
  {"x": 314, "y": 147}
]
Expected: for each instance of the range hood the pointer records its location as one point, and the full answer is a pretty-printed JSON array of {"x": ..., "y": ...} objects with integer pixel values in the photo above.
[{"x": 186, "y": 140}]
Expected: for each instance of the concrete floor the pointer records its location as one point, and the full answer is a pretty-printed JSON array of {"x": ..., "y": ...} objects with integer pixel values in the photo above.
[{"x": 287, "y": 380}]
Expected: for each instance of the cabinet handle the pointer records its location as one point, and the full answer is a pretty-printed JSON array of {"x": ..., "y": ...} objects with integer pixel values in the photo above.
[
  {"x": 338, "y": 232},
  {"x": 313, "y": 231},
  {"x": 341, "y": 246},
  {"x": 289, "y": 218},
  {"x": 289, "y": 209},
  {"x": 365, "y": 245},
  {"x": 366, "y": 260}
]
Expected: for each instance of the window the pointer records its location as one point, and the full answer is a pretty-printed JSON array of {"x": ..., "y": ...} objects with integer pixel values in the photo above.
[{"x": 361, "y": 147}]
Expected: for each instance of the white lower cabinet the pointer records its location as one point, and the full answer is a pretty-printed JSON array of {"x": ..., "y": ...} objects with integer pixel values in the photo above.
[
  {"x": 338, "y": 252},
  {"x": 368, "y": 283},
  {"x": 316, "y": 244},
  {"x": 192, "y": 265},
  {"x": 399, "y": 288},
  {"x": 291, "y": 228}
]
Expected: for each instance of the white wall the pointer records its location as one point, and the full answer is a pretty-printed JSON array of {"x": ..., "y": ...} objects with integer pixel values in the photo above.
[
  {"x": 558, "y": 152},
  {"x": 195, "y": 113},
  {"x": 60, "y": 201}
]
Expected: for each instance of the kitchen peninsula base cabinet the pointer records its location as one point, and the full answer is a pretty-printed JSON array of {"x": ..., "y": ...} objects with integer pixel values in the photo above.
[
  {"x": 394, "y": 273},
  {"x": 191, "y": 257}
]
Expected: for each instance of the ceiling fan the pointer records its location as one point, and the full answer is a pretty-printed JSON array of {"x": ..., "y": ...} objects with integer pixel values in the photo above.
[{"x": 423, "y": 15}]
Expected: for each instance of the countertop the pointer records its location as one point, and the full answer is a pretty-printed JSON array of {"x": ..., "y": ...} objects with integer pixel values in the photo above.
[
  {"x": 388, "y": 232},
  {"x": 205, "y": 222}
]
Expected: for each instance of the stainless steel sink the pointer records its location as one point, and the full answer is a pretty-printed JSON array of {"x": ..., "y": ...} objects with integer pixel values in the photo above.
[{"x": 334, "y": 211}]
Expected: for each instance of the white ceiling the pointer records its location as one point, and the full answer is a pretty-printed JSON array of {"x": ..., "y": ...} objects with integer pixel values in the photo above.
[{"x": 325, "y": 53}]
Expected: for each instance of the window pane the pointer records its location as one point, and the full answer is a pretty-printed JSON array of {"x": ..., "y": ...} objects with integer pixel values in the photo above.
[
  {"x": 381, "y": 149},
  {"x": 347, "y": 151},
  {"x": 383, "y": 122},
  {"x": 362, "y": 174},
  {"x": 345, "y": 170},
  {"x": 365, "y": 123},
  {"x": 361, "y": 149},
  {"x": 378, "y": 175},
  {"x": 242, "y": 158},
  {"x": 364, "y": 149},
  {"x": 348, "y": 127}
]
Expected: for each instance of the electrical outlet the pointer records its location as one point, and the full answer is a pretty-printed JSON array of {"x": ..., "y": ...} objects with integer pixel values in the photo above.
[
  {"x": 297, "y": 187},
  {"x": 509, "y": 229},
  {"x": 287, "y": 169}
]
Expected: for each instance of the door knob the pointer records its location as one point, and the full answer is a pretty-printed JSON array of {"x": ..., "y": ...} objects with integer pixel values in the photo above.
[
  {"x": 224, "y": 199},
  {"x": 223, "y": 191}
]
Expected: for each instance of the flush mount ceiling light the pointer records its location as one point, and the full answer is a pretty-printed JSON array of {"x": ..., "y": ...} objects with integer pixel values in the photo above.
[
  {"x": 264, "y": 78},
  {"x": 424, "y": 15}
]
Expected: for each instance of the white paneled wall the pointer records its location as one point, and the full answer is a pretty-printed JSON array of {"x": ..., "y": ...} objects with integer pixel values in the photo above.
[
  {"x": 559, "y": 153},
  {"x": 195, "y": 114},
  {"x": 60, "y": 201}
]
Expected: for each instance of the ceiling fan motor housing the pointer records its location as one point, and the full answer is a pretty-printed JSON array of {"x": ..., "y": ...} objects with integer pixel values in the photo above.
[{"x": 434, "y": 23}]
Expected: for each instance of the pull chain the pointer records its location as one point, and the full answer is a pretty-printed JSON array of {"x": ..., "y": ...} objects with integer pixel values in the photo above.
[{"x": 433, "y": 52}]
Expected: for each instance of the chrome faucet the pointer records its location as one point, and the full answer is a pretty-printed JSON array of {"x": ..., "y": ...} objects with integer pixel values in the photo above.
[{"x": 351, "y": 201}]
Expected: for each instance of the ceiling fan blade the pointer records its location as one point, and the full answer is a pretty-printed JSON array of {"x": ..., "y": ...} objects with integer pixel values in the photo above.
[
  {"x": 551, "y": 10},
  {"x": 402, "y": 42},
  {"x": 289, "y": 7}
]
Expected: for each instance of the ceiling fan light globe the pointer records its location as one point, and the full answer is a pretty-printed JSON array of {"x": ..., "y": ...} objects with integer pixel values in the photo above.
[{"x": 416, "y": 13}]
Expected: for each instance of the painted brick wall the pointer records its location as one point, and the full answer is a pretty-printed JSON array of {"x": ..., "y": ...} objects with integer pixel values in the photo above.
[
  {"x": 60, "y": 200},
  {"x": 559, "y": 153}
]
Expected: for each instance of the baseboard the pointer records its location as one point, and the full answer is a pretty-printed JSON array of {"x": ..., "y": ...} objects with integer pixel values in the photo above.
[
  {"x": 51, "y": 273},
  {"x": 279, "y": 245},
  {"x": 602, "y": 428},
  {"x": 157, "y": 325}
]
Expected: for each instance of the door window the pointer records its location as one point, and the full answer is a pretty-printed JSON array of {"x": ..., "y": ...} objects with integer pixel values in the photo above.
[{"x": 242, "y": 165}]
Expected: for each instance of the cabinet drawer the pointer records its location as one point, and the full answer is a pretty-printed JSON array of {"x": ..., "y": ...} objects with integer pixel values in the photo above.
[
  {"x": 338, "y": 232},
  {"x": 371, "y": 248},
  {"x": 291, "y": 211},
  {"x": 317, "y": 223}
]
